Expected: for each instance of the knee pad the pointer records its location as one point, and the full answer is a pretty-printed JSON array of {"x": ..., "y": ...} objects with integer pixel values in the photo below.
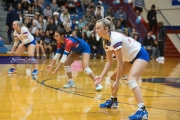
[
  {"x": 67, "y": 69},
  {"x": 87, "y": 70},
  {"x": 132, "y": 84}
]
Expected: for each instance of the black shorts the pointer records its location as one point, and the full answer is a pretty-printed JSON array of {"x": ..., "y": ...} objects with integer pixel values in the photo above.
[{"x": 140, "y": 9}]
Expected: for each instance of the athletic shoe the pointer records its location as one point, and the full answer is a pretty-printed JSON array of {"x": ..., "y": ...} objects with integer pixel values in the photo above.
[
  {"x": 35, "y": 72},
  {"x": 69, "y": 84},
  {"x": 12, "y": 70},
  {"x": 109, "y": 104},
  {"x": 99, "y": 87},
  {"x": 139, "y": 115}
]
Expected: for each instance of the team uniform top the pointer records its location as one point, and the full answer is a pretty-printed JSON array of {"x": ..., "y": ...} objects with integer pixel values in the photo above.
[
  {"x": 129, "y": 46},
  {"x": 71, "y": 44},
  {"x": 24, "y": 32}
]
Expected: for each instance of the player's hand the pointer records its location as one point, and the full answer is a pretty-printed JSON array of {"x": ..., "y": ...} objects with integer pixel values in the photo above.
[
  {"x": 12, "y": 52},
  {"x": 115, "y": 85},
  {"x": 98, "y": 80},
  {"x": 49, "y": 67},
  {"x": 55, "y": 70}
]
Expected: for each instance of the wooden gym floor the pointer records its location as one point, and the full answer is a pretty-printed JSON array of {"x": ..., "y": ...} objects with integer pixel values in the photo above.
[{"x": 23, "y": 97}]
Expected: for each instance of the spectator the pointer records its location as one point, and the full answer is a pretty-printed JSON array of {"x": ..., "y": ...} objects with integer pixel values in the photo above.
[
  {"x": 161, "y": 40},
  {"x": 41, "y": 23},
  {"x": 99, "y": 4},
  {"x": 71, "y": 6},
  {"x": 39, "y": 43},
  {"x": 151, "y": 16},
  {"x": 56, "y": 19},
  {"x": 138, "y": 5},
  {"x": 10, "y": 18},
  {"x": 68, "y": 30},
  {"x": 47, "y": 12},
  {"x": 74, "y": 23},
  {"x": 88, "y": 32},
  {"x": 84, "y": 36},
  {"x": 98, "y": 14},
  {"x": 92, "y": 24},
  {"x": 155, "y": 50},
  {"x": 100, "y": 48},
  {"x": 54, "y": 6},
  {"x": 36, "y": 8},
  {"x": 74, "y": 33},
  {"x": 27, "y": 22},
  {"x": 25, "y": 4},
  {"x": 92, "y": 10},
  {"x": 148, "y": 43},
  {"x": 93, "y": 43},
  {"x": 47, "y": 42},
  {"x": 136, "y": 37},
  {"x": 119, "y": 27},
  {"x": 19, "y": 9},
  {"x": 33, "y": 27},
  {"x": 54, "y": 45},
  {"x": 29, "y": 13},
  {"x": 85, "y": 4},
  {"x": 121, "y": 15},
  {"x": 87, "y": 18},
  {"x": 65, "y": 16},
  {"x": 133, "y": 32},
  {"x": 41, "y": 4},
  {"x": 51, "y": 27},
  {"x": 109, "y": 12},
  {"x": 81, "y": 24},
  {"x": 77, "y": 31}
]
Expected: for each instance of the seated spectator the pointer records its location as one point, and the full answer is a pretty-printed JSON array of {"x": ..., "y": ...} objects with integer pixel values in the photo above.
[
  {"x": 100, "y": 8},
  {"x": 54, "y": 6},
  {"x": 41, "y": 32},
  {"x": 133, "y": 32},
  {"x": 41, "y": 4},
  {"x": 74, "y": 33},
  {"x": 41, "y": 23},
  {"x": 29, "y": 13},
  {"x": 81, "y": 23},
  {"x": 25, "y": 5},
  {"x": 68, "y": 30},
  {"x": 77, "y": 31},
  {"x": 19, "y": 9},
  {"x": 93, "y": 43},
  {"x": 85, "y": 4},
  {"x": 148, "y": 43},
  {"x": 39, "y": 43},
  {"x": 136, "y": 37},
  {"x": 56, "y": 19},
  {"x": 37, "y": 8},
  {"x": 98, "y": 14},
  {"x": 47, "y": 12},
  {"x": 33, "y": 27},
  {"x": 74, "y": 23},
  {"x": 121, "y": 15},
  {"x": 71, "y": 6},
  {"x": 65, "y": 17},
  {"x": 51, "y": 27},
  {"x": 88, "y": 32},
  {"x": 87, "y": 18},
  {"x": 92, "y": 24},
  {"x": 84, "y": 36},
  {"x": 47, "y": 42},
  {"x": 109, "y": 12},
  {"x": 92, "y": 10},
  {"x": 27, "y": 22},
  {"x": 119, "y": 27}
]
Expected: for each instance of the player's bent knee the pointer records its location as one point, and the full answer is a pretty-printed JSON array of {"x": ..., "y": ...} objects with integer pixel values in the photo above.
[
  {"x": 87, "y": 70},
  {"x": 132, "y": 84},
  {"x": 67, "y": 69}
]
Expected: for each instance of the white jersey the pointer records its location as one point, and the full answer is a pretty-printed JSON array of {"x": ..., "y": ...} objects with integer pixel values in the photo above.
[
  {"x": 129, "y": 46},
  {"x": 24, "y": 32}
]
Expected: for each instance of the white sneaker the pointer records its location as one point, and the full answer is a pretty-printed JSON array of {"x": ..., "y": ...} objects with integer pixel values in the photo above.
[
  {"x": 69, "y": 84},
  {"x": 162, "y": 58},
  {"x": 158, "y": 59},
  {"x": 99, "y": 87}
]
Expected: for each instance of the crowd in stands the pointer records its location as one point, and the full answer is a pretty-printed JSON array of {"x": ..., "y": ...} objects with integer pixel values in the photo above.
[{"x": 42, "y": 21}]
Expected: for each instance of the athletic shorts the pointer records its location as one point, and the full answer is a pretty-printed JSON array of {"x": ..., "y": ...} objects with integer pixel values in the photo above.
[
  {"x": 142, "y": 54},
  {"x": 32, "y": 42}
]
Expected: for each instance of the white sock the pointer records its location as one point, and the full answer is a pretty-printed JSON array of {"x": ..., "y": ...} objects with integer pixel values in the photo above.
[
  {"x": 71, "y": 80},
  {"x": 140, "y": 105},
  {"x": 37, "y": 54},
  {"x": 112, "y": 96},
  {"x": 44, "y": 54}
]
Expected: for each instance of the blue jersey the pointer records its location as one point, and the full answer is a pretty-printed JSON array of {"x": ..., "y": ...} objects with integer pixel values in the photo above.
[{"x": 74, "y": 44}]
